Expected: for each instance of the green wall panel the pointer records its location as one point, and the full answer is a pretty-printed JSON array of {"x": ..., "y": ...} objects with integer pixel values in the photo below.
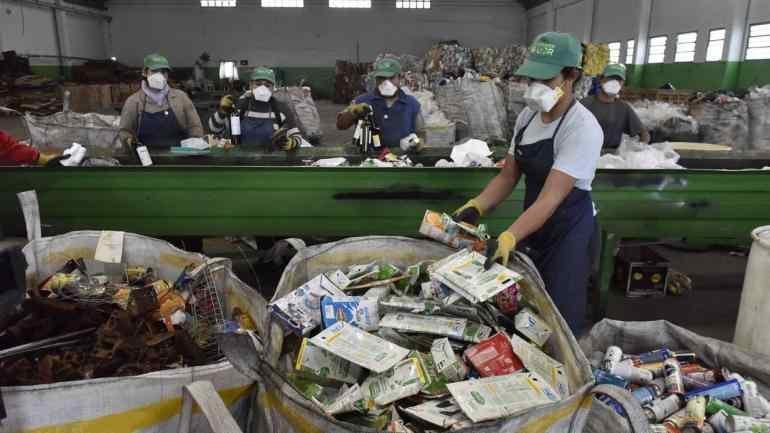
[
  {"x": 699, "y": 76},
  {"x": 754, "y": 73}
]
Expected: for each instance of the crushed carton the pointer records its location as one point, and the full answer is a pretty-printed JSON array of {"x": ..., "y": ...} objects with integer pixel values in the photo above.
[
  {"x": 356, "y": 310},
  {"x": 359, "y": 347},
  {"x": 460, "y": 329},
  {"x": 533, "y": 327},
  {"x": 448, "y": 363},
  {"x": 499, "y": 396},
  {"x": 535, "y": 360},
  {"x": 316, "y": 362},
  {"x": 494, "y": 357},
  {"x": 441, "y": 227},
  {"x": 405, "y": 379},
  {"x": 443, "y": 413},
  {"x": 300, "y": 310},
  {"x": 464, "y": 273}
]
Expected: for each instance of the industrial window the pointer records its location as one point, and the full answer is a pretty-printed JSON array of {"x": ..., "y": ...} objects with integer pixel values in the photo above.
[
  {"x": 350, "y": 3},
  {"x": 657, "y": 49},
  {"x": 759, "y": 42},
  {"x": 614, "y": 52},
  {"x": 716, "y": 45},
  {"x": 218, "y": 3},
  {"x": 685, "y": 47},
  {"x": 630, "y": 44},
  {"x": 228, "y": 70},
  {"x": 283, "y": 3},
  {"x": 413, "y": 4}
]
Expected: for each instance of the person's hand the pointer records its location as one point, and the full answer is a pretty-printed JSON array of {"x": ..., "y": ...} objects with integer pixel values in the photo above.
[
  {"x": 286, "y": 142},
  {"x": 500, "y": 249},
  {"x": 227, "y": 104},
  {"x": 359, "y": 110},
  {"x": 468, "y": 213},
  {"x": 130, "y": 142},
  {"x": 44, "y": 158}
]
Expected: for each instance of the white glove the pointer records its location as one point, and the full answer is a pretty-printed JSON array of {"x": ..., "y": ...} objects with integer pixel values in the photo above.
[
  {"x": 411, "y": 141},
  {"x": 76, "y": 154}
]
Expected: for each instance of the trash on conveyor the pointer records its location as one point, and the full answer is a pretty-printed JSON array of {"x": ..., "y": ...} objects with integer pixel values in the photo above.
[
  {"x": 722, "y": 119},
  {"x": 91, "y": 320},
  {"x": 633, "y": 154},
  {"x": 666, "y": 121},
  {"x": 678, "y": 392},
  {"x": 393, "y": 353}
]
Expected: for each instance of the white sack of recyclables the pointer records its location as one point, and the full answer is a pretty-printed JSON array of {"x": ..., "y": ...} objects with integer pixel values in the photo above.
[
  {"x": 194, "y": 143},
  {"x": 472, "y": 153},
  {"x": 635, "y": 155}
]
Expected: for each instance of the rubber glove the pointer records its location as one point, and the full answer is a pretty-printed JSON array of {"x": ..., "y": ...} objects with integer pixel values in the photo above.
[
  {"x": 45, "y": 158},
  {"x": 291, "y": 143},
  {"x": 226, "y": 104},
  {"x": 500, "y": 248},
  {"x": 284, "y": 141},
  {"x": 468, "y": 213},
  {"x": 359, "y": 110}
]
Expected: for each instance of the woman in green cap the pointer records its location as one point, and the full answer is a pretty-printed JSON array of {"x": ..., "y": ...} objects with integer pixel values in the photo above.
[
  {"x": 157, "y": 115},
  {"x": 264, "y": 121},
  {"x": 556, "y": 147}
]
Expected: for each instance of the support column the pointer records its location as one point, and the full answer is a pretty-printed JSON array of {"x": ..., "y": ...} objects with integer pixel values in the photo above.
[
  {"x": 642, "y": 36},
  {"x": 736, "y": 34},
  {"x": 588, "y": 30}
]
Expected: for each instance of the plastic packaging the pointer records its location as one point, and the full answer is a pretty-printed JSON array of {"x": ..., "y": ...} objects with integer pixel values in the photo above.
[
  {"x": 493, "y": 357},
  {"x": 359, "y": 347},
  {"x": 456, "y": 328},
  {"x": 533, "y": 327}
]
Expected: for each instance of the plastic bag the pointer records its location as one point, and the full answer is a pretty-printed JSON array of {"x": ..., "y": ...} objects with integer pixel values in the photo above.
[
  {"x": 478, "y": 108},
  {"x": 635, "y": 155},
  {"x": 666, "y": 121},
  {"x": 723, "y": 121},
  {"x": 300, "y": 101}
]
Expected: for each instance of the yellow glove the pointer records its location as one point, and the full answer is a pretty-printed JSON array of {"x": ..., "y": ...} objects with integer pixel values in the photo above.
[
  {"x": 359, "y": 110},
  {"x": 291, "y": 143},
  {"x": 468, "y": 213},
  {"x": 45, "y": 158},
  {"x": 226, "y": 104},
  {"x": 502, "y": 247}
]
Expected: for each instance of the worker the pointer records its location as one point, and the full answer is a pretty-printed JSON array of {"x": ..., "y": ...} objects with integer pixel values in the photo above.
[
  {"x": 265, "y": 122},
  {"x": 615, "y": 116},
  {"x": 12, "y": 152},
  {"x": 157, "y": 115},
  {"x": 395, "y": 113},
  {"x": 556, "y": 147}
]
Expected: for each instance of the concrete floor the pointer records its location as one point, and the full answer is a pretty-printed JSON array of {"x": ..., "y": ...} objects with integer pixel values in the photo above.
[{"x": 711, "y": 309}]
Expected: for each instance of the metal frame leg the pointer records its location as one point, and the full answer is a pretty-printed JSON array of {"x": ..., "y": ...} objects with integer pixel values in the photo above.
[{"x": 606, "y": 268}]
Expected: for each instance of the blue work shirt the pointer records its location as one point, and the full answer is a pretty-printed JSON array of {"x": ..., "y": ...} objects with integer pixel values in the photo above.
[{"x": 396, "y": 122}]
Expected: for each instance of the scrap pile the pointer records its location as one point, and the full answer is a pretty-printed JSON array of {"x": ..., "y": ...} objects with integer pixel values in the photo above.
[
  {"x": 436, "y": 346},
  {"x": 349, "y": 80},
  {"x": 666, "y": 121},
  {"x": 498, "y": 62},
  {"x": 35, "y": 94},
  {"x": 679, "y": 393},
  {"x": 595, "y": 58},
  {"x": 722, "y": 119},
  {"x": 448, "y": 59},
  {"x": 80, "y": 324},
  {"x": 477, "y": 107},
  {"x": 300, "y": 102},
  {"x": 759, "y": 112},
  {"x": 439, "y": 131}
]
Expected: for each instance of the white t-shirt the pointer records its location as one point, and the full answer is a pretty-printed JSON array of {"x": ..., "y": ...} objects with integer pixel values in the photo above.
[{"x": 577, "y": 146}]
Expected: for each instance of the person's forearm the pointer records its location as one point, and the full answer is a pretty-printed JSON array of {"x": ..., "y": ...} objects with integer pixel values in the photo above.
[
  {"x": 533, "y": 218},
  {"x": 644, "y": 136},
  {"x": 497, "y": 190}
]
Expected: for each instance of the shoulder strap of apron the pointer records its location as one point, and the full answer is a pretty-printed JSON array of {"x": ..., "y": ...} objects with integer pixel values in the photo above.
[
  {"x": 563, "y": 116},
  {"x": 276, "y": 112}
]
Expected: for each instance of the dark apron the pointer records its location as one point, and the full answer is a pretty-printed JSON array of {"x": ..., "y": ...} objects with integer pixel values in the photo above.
[
  {"x": 159, "y": 130},
  {"x": 256, "y": 132},
  {"x": 560, "y": 249}
]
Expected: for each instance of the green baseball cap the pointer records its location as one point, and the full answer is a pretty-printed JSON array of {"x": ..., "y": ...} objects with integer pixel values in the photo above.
[
  {"x": 387, "y": 68},
  {"x": 155, "y": 61},
  {"x": 549, "y": 54},
  {"x": 263, "y": 73},
  {"x": 615, "y": 70}
]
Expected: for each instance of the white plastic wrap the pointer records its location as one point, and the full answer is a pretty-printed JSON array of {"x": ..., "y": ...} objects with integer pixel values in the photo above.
[
  {"x": 635, "y": 155},
  {"x": 725, "y": 120},
  {"x": 666, "y": 120}
]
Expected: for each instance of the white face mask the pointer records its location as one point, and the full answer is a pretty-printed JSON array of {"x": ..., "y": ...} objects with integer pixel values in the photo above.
[
  {"x": 157, "y": 81},
  {"x": 540, "y": 97},
  {"x": 261, "y": 93},
  {"x": 387, "y": 88},
  {"x": 612, "y": 87}
]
